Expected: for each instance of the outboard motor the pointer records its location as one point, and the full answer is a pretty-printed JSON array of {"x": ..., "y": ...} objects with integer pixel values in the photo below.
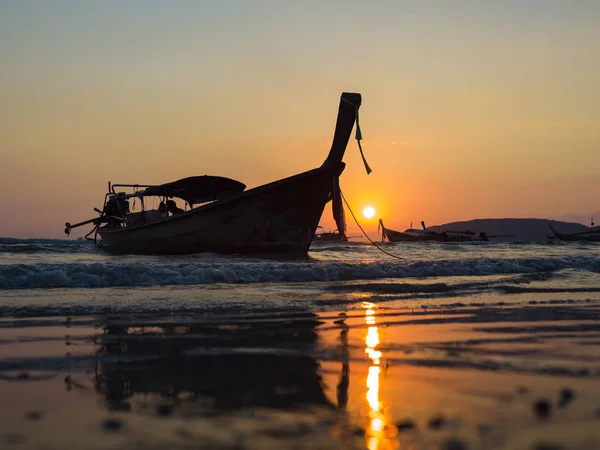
[{"x": 115, "y": 210}]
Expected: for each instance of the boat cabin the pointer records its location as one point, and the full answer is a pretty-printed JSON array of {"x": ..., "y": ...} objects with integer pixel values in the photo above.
[{"x": 121, "y": 208}]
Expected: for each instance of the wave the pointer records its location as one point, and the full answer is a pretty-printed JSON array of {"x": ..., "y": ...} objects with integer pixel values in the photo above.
[
  {"x": 46, "y": 275},
  {"x": 13, "y": 245},
  {"x": 9, "y": 241}
]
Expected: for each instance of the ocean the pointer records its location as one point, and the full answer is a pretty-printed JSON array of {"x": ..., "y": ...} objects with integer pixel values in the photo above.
[
  {"x": 475, "y": 344},
  {"x": 58, "y": 277}
]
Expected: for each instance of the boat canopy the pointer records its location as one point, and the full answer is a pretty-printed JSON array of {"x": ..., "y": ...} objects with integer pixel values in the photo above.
[{"x": 197, "y": 189}]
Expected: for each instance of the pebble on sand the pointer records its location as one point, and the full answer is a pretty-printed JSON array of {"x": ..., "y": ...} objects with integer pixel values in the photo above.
[
  {"x": 112, "y": 425},
  {"x": 437, "y": 422},
  {"x": 453, "y": 444},
  {"x": 406, "y": 425},
  {"x": 547, "y": 446},
  {"x": 566, "y": 396},
  {"x": 164, "y": 410},
  {"x": 358, "y": 431},
  {"x": 34, "y": 415},
  {"x": 542, "y": 409}
]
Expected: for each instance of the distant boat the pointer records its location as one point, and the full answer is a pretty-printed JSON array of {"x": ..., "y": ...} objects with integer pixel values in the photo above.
[
  {"x": 223, "y": 217},
  {"x": 425, "y": 235},
  {"x": 592, "y": 235},
  {"x": 410, "y": 235},
  {"x": 330, "y": 235}
]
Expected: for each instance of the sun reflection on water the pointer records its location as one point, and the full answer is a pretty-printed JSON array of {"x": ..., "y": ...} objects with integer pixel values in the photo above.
[{"x": 377, "y": 426}]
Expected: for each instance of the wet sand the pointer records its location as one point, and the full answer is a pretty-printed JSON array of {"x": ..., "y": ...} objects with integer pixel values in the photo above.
[{"x": 523, "y": 376}]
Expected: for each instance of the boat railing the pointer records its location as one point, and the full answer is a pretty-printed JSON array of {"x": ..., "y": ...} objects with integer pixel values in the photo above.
[{"x": 111, "y": 187}]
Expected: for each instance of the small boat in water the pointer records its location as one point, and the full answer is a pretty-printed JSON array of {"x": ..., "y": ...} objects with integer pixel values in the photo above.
[
  {"x": 425, "y": 235},
  {"x": 410, "y": 235},
  {"x": 220, "y": 215},
  {"x": 330, "y": 235},
  {"x": 591, "y": 235}
]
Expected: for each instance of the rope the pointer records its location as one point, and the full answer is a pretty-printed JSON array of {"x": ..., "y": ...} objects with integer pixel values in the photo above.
[
  {"x": 358, "y": 139},
  {"x": 364, "y": 233},
  {"x": 358, "y": 135}
]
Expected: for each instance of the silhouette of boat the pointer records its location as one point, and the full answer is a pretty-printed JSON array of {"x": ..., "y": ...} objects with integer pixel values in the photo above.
[
  {"x": 330, "y": 236},
  {"x": 591, "y": 235},
  {"x": 223, "y": 217},
  {"x": 425, "y": 235}
]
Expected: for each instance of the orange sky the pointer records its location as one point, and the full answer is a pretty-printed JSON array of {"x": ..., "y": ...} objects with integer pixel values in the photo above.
[{"x": 468, "y": 111}]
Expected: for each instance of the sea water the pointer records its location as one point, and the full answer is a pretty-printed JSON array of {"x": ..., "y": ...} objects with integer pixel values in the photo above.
[
  {"x": 348, "y": 347},
  {"x": 62, "y": 277}
]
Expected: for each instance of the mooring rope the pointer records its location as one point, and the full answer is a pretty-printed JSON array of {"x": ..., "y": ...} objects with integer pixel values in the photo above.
[
  {"x": 358, "y": 135},
  {"x": 366, "y": 235}
]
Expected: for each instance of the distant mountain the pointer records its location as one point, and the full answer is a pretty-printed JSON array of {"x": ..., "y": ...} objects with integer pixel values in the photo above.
[{"x": 525, "y": 230}]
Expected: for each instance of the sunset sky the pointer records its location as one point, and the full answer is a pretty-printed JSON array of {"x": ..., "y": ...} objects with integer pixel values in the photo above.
[{"x": 471, "y": 109}]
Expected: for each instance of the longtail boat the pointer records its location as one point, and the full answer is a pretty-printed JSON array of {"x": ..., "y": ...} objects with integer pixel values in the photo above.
[
  {"x": 425, "y": 235},
  {"x": 220, "y": 215},
  {"x": 415, "y": 235},
  {"x": 410, "y": 235},
  {"x": 321, "y": 235},
  {"x": 591, "y": 235}
]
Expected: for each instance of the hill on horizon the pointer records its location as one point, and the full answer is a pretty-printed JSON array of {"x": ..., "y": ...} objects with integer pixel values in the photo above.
[{"x": 525, "y": 230}]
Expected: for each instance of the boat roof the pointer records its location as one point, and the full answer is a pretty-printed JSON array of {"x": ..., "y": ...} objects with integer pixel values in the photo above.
[{"x": 198, "y": 189}]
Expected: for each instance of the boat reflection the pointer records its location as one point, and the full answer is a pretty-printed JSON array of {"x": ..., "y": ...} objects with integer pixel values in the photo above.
[
  {"x": 217, "y": 366},
  {"x": 227, "y": 364}
]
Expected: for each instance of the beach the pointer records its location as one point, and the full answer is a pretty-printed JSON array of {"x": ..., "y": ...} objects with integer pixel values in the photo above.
[{"x": 453, "y": 346}]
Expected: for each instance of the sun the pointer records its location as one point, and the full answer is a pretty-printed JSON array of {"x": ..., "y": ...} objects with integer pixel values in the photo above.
[{"x": 369, "y": 212}]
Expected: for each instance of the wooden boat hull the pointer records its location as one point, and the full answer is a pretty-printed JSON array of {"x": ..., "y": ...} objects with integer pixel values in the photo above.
[
  {"x": 575, "y": 237},
  {"x": 593, "y": 238},
  {"x": 397, "y": 236},
  {"x": 443, "y": 237},
  {"x": 430, "y": 236},
  {"x": 593, "y": 235},
  {"x": 330, "y": 237},
  {"x": 279, "y": 217}
]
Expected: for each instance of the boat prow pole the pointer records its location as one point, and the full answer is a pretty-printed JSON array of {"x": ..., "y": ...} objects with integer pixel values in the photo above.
[{"x": 347, "y": 114}]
